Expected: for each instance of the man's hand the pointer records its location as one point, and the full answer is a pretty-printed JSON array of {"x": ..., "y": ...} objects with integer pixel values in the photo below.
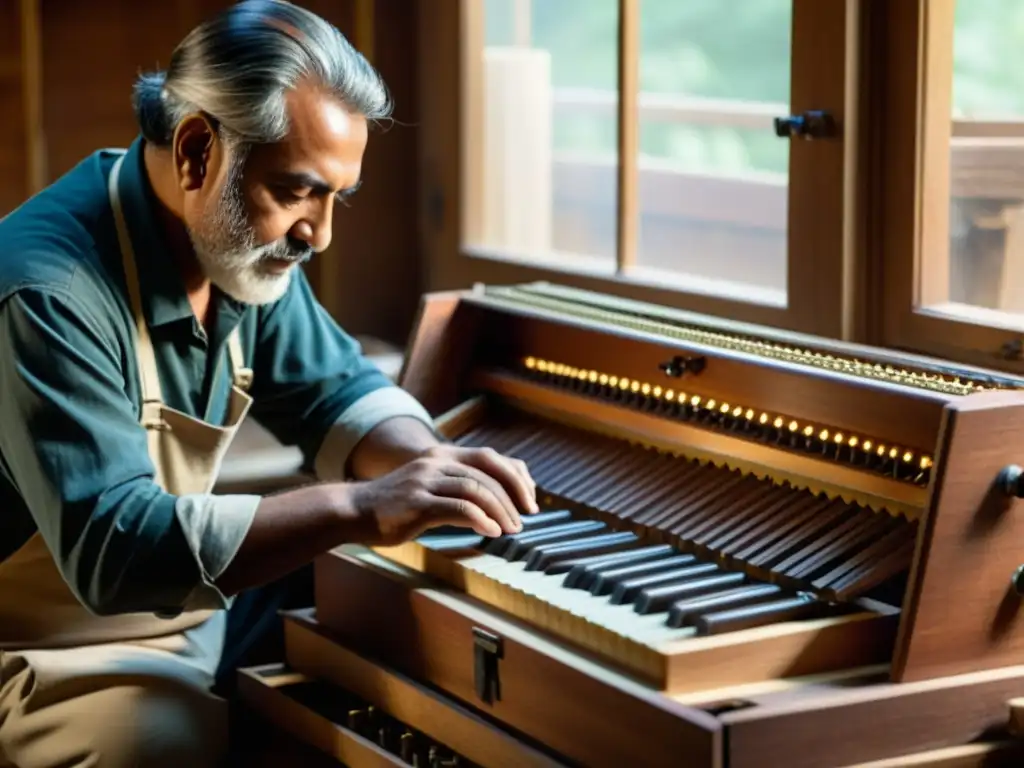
[{"x": 447, "y": 485}]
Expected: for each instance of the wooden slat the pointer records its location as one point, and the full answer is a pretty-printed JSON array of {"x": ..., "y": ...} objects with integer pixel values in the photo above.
[
  {"x": 13, "y": 165},
  {"x": 628, "y": 211},
  {"x": 931, "y": 258},
  {"x": 365, "y": 34},
  {"x": 32, "y": 92},
  {"x": 821, "y": 174}
]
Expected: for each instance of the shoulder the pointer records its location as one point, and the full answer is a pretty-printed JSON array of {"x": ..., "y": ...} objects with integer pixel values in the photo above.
[{"x": 53, "y": 243}]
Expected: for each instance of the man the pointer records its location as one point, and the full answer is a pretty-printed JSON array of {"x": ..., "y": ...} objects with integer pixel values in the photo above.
[{"x": 149, "y": 301}]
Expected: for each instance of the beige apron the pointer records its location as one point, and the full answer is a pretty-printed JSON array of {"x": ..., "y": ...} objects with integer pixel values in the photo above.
[{"x": 73, "y": 684}]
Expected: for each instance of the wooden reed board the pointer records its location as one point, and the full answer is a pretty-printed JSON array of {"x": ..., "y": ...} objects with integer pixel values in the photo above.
[
  {"x": 852, "y": 724},
  {"x": 961, "y": 612},
  {"x": 580, "y": 708},
  {"x": 787, "y": 649},
  {"x": 265, "y": 692},
  {"x": 731, "y": 327},
  {"x": 900, "y": 415},
  {"x": 833, "y": 478}
]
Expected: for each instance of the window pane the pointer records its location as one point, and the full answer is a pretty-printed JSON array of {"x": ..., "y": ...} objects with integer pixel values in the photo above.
[
  {"x": 985, "y": 275},
  {"x": 545, "y": 167},
  {"x": 713, "y": 174}
]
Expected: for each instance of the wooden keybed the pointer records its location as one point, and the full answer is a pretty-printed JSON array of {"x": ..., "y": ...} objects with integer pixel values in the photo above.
[{"x": 752, "y": 543}]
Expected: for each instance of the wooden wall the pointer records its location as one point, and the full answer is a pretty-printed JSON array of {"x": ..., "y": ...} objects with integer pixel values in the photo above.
[{"x": 66, "y": 70}]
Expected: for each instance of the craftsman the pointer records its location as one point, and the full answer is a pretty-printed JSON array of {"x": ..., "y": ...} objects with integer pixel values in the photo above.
[{"x": 150, "y": 300}]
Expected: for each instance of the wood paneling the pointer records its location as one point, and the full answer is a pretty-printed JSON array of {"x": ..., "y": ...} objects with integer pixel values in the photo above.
[
  {"x": 370, "y": 277},
  {"x": 92, "y": 53},
  {"x": 13, "y": 159}
]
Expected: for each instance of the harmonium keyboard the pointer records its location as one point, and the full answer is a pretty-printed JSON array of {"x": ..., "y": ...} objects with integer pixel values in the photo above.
[{"x": 754, "y": 549}]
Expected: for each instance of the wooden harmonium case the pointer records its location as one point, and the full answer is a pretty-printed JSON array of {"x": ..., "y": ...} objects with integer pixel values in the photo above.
[
  {"x": 717, "y": 492},
  {"x": 722, "y": 505}
]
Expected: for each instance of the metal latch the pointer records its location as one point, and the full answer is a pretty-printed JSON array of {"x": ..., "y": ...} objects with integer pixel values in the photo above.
[{"x": 487, "y": 651}]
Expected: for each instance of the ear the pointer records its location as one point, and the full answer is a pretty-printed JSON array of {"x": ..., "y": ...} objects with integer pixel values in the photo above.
[{"x": 195, "y": 146}]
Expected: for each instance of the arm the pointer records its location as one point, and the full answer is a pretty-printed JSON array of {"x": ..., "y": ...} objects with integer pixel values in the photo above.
[
  {"x": 75, "y": 450},
  {"x": 391, "y": 444},
  {"x": 314, "y": 388}
]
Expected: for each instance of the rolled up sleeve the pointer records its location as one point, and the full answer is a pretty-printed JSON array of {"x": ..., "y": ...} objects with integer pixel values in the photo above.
[
  {"x": 314, "y": 387},
  {"x": 74, "y": 449},
  {"x": 357, "y": 420},
  {"x": 215, "y": 527}
]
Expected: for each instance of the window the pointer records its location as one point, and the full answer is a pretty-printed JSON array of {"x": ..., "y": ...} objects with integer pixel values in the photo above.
[
  {"x": 630, "y": 147},
  {"x": 955, "y": 225}
]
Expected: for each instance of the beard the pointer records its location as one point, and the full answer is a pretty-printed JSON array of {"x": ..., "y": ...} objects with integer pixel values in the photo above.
[{"x": 226, "y": 248}]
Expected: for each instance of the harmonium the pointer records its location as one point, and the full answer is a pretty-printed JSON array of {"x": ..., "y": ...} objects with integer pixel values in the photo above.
[{"x": 754, "y": 549}]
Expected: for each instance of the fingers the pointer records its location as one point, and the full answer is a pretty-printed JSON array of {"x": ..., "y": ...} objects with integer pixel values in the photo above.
[
  {"x": 469, "y": 484},
  {"x": 449, "y": 509},
  {"x": 512, "y": 474}
]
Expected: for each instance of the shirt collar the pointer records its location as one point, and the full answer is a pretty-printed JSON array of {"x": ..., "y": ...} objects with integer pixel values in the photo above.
[{"x": 164, "y": 299}]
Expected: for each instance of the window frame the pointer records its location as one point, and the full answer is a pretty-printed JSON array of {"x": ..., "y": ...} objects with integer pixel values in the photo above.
[
  {"x": 826, "y": 246},
  {"x": 915, "y": 190}
]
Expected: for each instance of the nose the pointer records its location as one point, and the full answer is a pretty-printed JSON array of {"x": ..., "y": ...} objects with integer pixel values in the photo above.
[{"x": 314, "y": 228}]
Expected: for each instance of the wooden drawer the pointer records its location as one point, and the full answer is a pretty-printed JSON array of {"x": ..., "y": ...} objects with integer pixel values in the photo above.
[
  {"x": 313, "y": 697},
  {"x": 309, "y": 711}
]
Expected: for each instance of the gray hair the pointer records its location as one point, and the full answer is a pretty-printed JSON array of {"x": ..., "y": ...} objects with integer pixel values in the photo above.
[{"x": 238, "y": 67}]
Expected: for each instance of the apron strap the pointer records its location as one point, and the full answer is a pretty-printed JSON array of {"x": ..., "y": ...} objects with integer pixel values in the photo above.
[
  {"x": 150, "y": 378},
  {"x": 242, "y": 375}
]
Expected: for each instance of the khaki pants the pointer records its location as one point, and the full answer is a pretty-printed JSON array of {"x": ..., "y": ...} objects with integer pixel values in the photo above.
[
  {"x": 109, "y": 720},
  {"x": 119, "y": 718}
]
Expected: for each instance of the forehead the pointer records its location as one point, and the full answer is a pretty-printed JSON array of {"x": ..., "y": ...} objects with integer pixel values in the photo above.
[{"x": 324, "y": 139}]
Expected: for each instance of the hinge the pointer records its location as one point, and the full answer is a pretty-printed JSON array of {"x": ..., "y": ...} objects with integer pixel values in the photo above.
[{"x": 487, "y": 651}]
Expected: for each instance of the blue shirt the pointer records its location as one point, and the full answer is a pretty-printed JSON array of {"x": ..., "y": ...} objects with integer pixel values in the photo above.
[{"x": 73, "y": 456}]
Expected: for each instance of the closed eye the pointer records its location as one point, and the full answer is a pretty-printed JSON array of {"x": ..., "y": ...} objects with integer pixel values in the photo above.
[{"x": 346, "y": 194}]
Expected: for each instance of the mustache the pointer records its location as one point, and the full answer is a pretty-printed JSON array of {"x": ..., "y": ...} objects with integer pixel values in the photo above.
[{"x": 289, "y": 249}]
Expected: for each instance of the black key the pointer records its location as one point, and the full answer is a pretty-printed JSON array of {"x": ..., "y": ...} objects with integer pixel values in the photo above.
[
  {"x": 583, "y": 570},
  {"x": 516, "y": 545},
  {"x": 497, "y": 546},
  {"x": 450, "y": 542},
  {"x": 542, "y": 519},
  {"x": 546, "y": 554},
  {"x": 759, "y": 615},
  {"x": 628, "y": 590},
  {"x": 628, "y": 554},
  {"x": 520, "y": 549},
  {"x": 684, "y": 612},
  {"x": 604, "y": 582},
  {"x": 658, "y": 599}
]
